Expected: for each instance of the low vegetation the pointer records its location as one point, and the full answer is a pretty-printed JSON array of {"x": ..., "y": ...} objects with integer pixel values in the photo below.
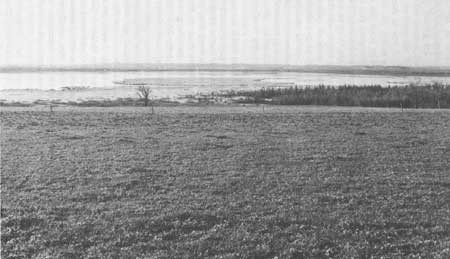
[
  {"x": 225, "y": 182},
  {"x": 410, "y": 96}
]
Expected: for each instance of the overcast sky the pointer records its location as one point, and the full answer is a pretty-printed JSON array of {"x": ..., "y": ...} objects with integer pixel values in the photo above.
[{"x": 342, "y": 32}]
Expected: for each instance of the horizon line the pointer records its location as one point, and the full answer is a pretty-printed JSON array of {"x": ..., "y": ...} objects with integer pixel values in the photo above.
[{"x": 136, "y": 64}]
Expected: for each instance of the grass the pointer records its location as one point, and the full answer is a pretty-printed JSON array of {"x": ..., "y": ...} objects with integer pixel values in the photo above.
[
  {"x": 225, "y": 182},
  {"x": 434, "y": 95}
]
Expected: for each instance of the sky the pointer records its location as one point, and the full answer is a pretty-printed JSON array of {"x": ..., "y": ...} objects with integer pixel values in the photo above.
[{"x": 300, "y": 32}]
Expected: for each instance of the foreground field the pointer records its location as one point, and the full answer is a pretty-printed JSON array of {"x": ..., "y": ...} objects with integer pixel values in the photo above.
[{"x": 192, "y": 182}]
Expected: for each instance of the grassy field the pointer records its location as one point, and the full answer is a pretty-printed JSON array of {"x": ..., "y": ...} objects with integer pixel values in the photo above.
[{"x": 225, "y": 182}]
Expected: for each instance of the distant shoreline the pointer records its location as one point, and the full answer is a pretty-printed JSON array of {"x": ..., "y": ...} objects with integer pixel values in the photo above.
[
  {"x": 405, "y": 97},
  {"x": 350, "y": 70}
]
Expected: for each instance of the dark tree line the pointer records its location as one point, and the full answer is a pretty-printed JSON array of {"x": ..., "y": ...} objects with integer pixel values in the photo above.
[{"x": 410, "y": 96}]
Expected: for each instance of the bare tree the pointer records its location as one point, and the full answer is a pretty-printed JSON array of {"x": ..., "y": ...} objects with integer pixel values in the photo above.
[{"x": 144, "y": 93}]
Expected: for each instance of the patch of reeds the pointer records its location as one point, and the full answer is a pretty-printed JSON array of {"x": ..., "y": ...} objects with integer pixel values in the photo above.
[{"x": 410, "y": 96}]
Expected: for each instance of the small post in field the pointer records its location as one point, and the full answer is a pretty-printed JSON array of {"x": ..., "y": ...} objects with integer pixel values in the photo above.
[
  {"x": 51, "y": 108},
  {"x": 153, "y": 111}
]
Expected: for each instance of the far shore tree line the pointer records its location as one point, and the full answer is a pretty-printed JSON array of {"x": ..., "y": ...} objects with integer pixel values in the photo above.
[{"x": 434, "y": 95}]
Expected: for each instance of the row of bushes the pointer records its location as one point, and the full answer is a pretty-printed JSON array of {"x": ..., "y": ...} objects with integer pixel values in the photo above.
[{"x": 410, "y": 96}]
